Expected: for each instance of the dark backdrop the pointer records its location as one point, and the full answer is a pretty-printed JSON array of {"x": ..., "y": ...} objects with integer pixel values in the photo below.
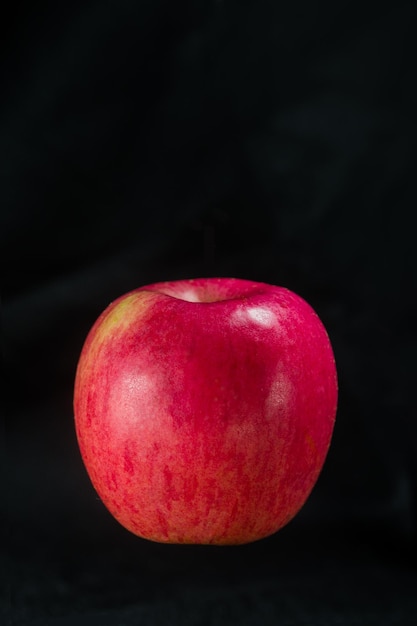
[{"x": 145, "y": 141}]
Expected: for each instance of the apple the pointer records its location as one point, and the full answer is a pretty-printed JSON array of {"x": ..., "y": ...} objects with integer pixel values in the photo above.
[{"x": 204, "y": 409}]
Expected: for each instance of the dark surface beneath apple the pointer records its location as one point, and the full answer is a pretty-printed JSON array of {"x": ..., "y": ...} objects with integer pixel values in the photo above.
[{"x": 150, "y": 141}]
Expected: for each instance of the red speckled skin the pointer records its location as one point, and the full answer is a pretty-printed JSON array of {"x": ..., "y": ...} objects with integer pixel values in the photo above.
[{"x": 204, "y": 409}]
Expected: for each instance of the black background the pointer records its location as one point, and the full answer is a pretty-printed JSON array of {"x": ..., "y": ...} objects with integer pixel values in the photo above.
[{"x": 145, "y": 141}]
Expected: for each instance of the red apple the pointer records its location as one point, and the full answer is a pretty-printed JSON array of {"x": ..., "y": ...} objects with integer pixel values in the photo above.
[{"x": 204, "y": 409}]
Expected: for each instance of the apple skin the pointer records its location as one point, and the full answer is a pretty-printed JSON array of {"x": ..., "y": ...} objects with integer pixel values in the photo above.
[{"x": 204, "y": 409}]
